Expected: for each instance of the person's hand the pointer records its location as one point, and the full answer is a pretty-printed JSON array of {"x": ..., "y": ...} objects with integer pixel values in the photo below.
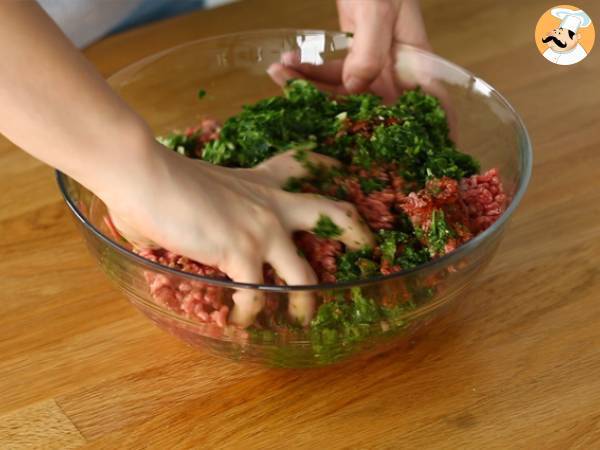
[
  {"x": 233, "y": 219},
  {"x": 377, "y": 27}
]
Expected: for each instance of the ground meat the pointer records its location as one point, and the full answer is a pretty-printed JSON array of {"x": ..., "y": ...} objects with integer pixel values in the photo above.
[
  {"x": 375, "y": 208},
  {"x": 443, "y": 191},
  {"x": 387, "y": 268},
  {"x": 192, "y": 299},
  {"x": 484, "y": 199},
  {"x": 418, "y": 206},
  {"x": 321, "y": 254}
]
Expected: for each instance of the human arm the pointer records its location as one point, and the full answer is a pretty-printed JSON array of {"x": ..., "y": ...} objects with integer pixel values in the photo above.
[{"x": 59, "y": 109}]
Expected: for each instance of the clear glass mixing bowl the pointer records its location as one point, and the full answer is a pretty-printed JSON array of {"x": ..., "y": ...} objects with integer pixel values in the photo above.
[{"x": 233, "y": 71}]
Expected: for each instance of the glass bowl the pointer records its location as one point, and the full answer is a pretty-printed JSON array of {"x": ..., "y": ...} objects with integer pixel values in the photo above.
[{"x": 232, "y": 69}]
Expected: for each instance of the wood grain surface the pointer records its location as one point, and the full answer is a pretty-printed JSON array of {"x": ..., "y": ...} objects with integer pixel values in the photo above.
[{"x": 515, "y": 365}]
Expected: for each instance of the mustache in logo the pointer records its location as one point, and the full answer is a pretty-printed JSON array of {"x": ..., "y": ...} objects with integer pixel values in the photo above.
[{"x": 556, "y": 41}]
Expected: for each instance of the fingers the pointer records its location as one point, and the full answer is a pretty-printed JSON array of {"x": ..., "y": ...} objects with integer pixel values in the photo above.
[
  {"x": 301, "y": 307},
  {"x": 410, "y": 26},
  {"x": 303, "y": 211},
  {"x": 329, "y": 72},
  {"x": 247, "y": 302},
  {"x": 118, "y": 226},
  {"x": 280, "y": 74},
  {"x": 372, "y": 42},
  {"x": 295, "y": 270},
  {"x": 276, "y": 171}
]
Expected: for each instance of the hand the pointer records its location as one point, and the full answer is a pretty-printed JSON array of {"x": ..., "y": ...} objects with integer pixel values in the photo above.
[
  {"x": 233, "y": 219},
  {"x": 377, "y": 26}
]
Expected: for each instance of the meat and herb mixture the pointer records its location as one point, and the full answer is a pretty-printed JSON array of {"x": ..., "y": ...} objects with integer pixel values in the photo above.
[{"x": 420, "y": 196}]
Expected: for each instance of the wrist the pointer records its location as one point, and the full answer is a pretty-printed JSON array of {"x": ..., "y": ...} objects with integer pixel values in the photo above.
[{"x": 123, "y": 156}]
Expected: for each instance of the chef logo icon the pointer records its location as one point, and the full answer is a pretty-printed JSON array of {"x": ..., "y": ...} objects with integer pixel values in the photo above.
[{"x": 564, "y": 35}]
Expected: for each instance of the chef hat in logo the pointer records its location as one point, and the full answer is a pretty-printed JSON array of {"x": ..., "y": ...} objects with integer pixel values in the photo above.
[{"x": 570, "y": 19}]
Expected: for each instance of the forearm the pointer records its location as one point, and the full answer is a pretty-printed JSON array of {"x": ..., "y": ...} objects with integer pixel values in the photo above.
[{"x": 54, "y": 104}]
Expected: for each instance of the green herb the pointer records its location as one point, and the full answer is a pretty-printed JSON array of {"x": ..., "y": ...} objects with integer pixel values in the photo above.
[
  {"x": 438, "y": 234},
  {"x": 395, "y": 313},
  {"x": 348, "y": 264},
  {"x": 342, "y": 325},
  {"x": 273, "y": 125},
  {"x": 181, "y": 143},
  {"x": 369, "y": 185},
  {"x": 293, "y": 184},
  {"x": 326, "y": 228},
  {"x": 301, "y": 155},
  {"x": 412, "y": 256},
  {"x": 365, "y": 310},
  {"x": 418, "y": 140},
  {"x": 349, "y": 318},
  {"x": 367, "y": 267},
  {"x": 201, "y": 93},
  {"x": 402, "y": 248},
  {"x": 259, "y": 335},
  {"x": 388, "y": 243}
]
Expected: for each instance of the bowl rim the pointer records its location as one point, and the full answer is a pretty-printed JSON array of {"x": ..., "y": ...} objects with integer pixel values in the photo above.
[{"x": 525, "y": 149}]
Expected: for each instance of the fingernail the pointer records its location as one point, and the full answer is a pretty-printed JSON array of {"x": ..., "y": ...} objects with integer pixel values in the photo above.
[
  {"x": 275, "y": 71},
  {"x": 353, "y": 84},
  {"x": 290, "y": 58}
]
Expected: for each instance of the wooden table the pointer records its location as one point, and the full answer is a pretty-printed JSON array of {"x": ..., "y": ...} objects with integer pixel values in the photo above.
[{"x": 517, "y": 365}]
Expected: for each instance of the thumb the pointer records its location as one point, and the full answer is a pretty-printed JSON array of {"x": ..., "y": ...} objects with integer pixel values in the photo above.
[
  {"x": 372, "y": 42},
  {"x": 278, "y": 169}
]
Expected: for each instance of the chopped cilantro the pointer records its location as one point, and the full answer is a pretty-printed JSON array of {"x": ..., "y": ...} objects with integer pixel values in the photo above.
[
  {"x": 181, "y": 143},
  {"x": 293, "y": 184},
  {"x": 365, "y": 310},
  {"x": 412, "y": 256},
  {"x": 367, "y": 267},
  {"x": 388, "y": 243},
  {"x": 326, "y": 228},
  {"x": 348, "y": 263},
  {"x": 401, "y": 249},
  {"x": 304, "y": 116},
  {"x": 438, "y": 234},
  {"x": 343, "y": 324},
  {"x": 369, "y": 185}
]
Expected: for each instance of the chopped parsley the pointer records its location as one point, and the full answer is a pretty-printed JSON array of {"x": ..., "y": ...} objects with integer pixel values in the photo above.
[
  {"x": 349, "y": 264},
  {"x": 402, "y": 249},
  {"x": 326, "y": 228},
  {"x": 341, "y": 325},
  {"x": 293, "y": 184},
  {"x": 369, "y": 185},
  {"x": 388, "y": 243},
  {"x": 418, "y": 140},
  {"x": 181, "y": 143},
  {"x": 201, "y": 94},
  {"x": 438, "y": 234}
]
